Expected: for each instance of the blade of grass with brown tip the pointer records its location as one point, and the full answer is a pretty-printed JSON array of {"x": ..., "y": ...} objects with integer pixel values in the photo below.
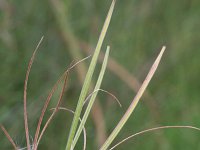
[
  {"x": 25, "y": 95},
  {"x": 134, "y": 102},
  {"x": 88, "y": 78}
]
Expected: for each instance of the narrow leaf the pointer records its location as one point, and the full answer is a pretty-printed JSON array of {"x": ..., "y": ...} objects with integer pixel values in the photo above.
[
  {"x": 92, "y": 99},
  {"x": 134, "y": 102},
  {"x": 88, "y": 78}
]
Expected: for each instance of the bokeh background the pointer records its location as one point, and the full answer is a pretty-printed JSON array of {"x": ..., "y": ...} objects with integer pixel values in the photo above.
[{"x": 136, "y": 34}]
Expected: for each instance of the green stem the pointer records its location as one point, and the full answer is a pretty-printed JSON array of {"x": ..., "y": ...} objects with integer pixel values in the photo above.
[
  {"x": 92, "y": 99},
  {"x": 88, "y": 78}
]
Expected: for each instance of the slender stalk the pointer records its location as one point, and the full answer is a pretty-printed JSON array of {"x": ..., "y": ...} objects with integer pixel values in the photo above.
[
  {"x": 25, "y": 95},
  {"x": 88, "y": 78},
  {"x": 153, "y": 129},
  {"x": 8, "y": 137},
  {"x": 70, "y": 40},
  {"x": 55, "y": 87},
  {"x": 92, "y": 99},
  {"x": 35, "y": 143},
  {"x": 134, "y": 102},
  {"x": 107, "y": 92},
  {"x": 84, "y": 130},
  {"x": 65, "y": 77}
]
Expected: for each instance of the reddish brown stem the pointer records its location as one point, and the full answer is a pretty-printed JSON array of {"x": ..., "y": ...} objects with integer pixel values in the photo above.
[
  {"x": 54, "y": 112},
  {"x": 25, "y": 95},
  {"x": 9, "y": 137}
]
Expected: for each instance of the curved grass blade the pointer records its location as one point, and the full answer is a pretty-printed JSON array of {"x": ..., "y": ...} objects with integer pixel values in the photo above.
[
  {"x": 107, "y": 92},
  {"x": 48, "y": 99},
  {"x": 55, "y": 110},
  {"x": 134, "y": 102},
  {"x": 84, "y": 130},
  {"x": 152, "y": 129},
  {"x": 25, "y": 95}
]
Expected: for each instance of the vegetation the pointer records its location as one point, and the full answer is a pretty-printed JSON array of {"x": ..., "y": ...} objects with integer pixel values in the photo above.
[{"x": 165, "y": 102}]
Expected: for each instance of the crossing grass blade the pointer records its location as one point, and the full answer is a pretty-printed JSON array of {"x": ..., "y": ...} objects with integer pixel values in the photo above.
[
  {"x": 88, "y": 78},
  {"x": 92, "y": 99}
]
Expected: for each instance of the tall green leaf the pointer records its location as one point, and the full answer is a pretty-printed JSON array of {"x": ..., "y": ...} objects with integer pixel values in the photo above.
[
  {"x": 93, "y": 97},
  {"x": 88, "y": 78}
]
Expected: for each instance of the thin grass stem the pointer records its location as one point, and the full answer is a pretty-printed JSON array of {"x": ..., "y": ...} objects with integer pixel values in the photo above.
[
  {"x": 50, "y": 96},
  {"x": 9, "y": 137},
  {"x": 107, "y": 92},
  {"x": 56, "y": 109},
  {"x": 25, "y": 95},
  {"x": 93, "y": 97},
  {"x": 84, "y": 130},
  {"x": 150, "y": 130}
]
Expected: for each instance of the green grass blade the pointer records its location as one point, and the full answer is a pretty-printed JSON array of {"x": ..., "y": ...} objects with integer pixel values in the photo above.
[
  {"x": 134, "y": 102},
  {"x": 88, "y": 78},
  {"x": 92, "y": 99}
]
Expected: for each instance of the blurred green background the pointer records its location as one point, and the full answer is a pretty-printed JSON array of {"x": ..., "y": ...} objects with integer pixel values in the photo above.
[{"x": 137, "y": 32}]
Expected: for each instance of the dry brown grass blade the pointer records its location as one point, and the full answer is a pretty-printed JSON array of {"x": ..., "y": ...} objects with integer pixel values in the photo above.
[
  {"x": 54, "y": 112},
  {"x": 44, "y": 109},
  {"x": 25, "y": 95},
  {"x": 152, "y": 129},
  {"x": 50, "y": 96},
  {"x": 9, "y": 137}
]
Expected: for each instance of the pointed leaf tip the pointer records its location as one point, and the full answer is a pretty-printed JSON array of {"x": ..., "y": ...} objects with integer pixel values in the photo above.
[
  {"x": 163, "y": 49},
  {"x": 160, "y": 55}
]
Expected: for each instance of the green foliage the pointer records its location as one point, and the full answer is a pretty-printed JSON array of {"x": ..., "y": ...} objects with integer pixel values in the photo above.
[{"x": 137, "y": 31}]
